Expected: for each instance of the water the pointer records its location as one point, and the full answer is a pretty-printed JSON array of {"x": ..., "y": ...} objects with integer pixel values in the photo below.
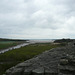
[
  {"x": 42, "y": 40},
  {"x": 15, "y": 47},
  {"x": 31, "y": 41}
]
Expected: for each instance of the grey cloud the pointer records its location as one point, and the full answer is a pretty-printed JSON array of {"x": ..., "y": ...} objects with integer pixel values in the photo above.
[{"x": 27, "y": 18}]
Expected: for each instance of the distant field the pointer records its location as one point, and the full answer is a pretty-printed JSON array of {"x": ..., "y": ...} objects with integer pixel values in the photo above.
[
  {"x": 7, "y": 44},
  {"x": 15, "y": 56}
]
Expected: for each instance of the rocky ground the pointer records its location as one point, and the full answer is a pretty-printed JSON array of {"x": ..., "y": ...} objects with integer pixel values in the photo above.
[{"x": 57, "y": 61}]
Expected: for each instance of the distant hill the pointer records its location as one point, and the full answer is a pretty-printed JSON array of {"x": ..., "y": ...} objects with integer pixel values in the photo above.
[
  {"x": 4, "y": 39},
  {"x": 63, "y": 40}
]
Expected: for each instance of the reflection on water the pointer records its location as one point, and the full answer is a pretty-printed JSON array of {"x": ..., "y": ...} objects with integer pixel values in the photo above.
[
  {"x": 15, "y": 47},
  {"x": 29, "y": 42}
]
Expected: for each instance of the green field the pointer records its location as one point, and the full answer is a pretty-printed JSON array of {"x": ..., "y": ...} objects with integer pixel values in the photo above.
[
  {"x": 7, "y": 44},
  {"x": 11, "y": 58}
]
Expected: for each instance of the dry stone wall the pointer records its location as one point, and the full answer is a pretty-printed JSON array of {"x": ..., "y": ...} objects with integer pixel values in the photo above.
[{"x": 57, "y": 61}]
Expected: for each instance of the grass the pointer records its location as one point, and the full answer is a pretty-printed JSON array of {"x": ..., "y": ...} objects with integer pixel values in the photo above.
[
  {"x": 7, "y": 44},
  {"x": 5, "y": 66},
  {"x": 15, "y": 56}
]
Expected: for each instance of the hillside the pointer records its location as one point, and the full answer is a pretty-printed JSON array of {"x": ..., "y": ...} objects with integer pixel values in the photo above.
[
  {"x": 57, "y": 61},
  {"x": 63, "y": 40}
]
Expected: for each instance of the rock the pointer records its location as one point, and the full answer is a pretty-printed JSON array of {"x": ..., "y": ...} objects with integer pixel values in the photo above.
[
  {"x": 70, "y": 57},
  {"x": 57, "y": 61},
  {"x": 27, "y": 72},
  {"x": 64, "y": 74},
  {"x": 38, "y": 71},
  {"x": 67, "y": 67},
  {"x": 64, "y": 61},
  {"x": 8, "y": 72},
  {"x": 22, "y": 65},
  {"x": 17, "y": 71},
  {"x": 50, "y": 72}
]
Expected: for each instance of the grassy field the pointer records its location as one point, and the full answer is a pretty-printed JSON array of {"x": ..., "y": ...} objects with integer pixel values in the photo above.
[
  {"x": 15, "y": 56},
  {"x": 7, "y": 44}
]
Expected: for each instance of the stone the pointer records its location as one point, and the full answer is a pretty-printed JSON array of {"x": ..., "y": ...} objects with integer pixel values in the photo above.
[
  {"x": 73, "y": 62},
  {"x": 64, "y": 61},
  {"x": 50, "y": 72},
  {"x": 22, "y": 65},
  {"x": 27, "y": 72},
  {"x": 64, "y": 74},
  {"x": 70, "y": 57},
  {"x": 9, "y": 71},
  {"x": 17, "y": 71},
  {"x": 67, "y": 67},
  {"x": 47, "y": 63},
  {"x": 38, "y": 71}
]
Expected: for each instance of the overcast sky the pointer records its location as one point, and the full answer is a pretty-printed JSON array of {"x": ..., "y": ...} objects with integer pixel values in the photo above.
[{"x": 37, "y": 19}]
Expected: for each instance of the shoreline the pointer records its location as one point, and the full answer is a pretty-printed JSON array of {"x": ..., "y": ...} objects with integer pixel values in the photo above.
[
  {"x": 25, "y": 44},
  {"x": 22, "y": 45},
  {"x": 14, "y": 47}
]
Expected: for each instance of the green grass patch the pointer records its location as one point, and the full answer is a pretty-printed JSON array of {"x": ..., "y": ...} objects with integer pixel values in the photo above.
[
  {"x": 7, "y": 44},
  {"x": 15, "y": 56}
]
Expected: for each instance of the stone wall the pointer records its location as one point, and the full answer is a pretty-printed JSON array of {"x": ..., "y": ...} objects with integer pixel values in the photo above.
[{"x": 57, "y": 61}]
